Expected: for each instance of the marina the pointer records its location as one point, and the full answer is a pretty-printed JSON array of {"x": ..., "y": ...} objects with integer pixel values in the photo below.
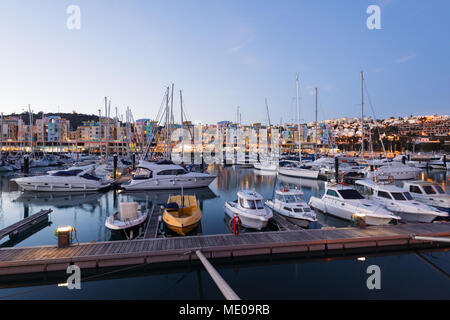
[
  {"x": 156, "y": 245},
  {"x": 225, "y": 150}
]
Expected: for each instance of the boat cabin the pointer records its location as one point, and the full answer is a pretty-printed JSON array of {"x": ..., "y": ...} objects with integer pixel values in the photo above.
[
  {"x": 250, "y": 200},
  {"x": 424, "y": 188},
  {"x": 382, "y": 191},
  {"x": 342, "y": 192}
]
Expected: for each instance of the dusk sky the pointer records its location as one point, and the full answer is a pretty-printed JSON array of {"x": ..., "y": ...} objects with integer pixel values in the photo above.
[{"x": 225, "y": 54}]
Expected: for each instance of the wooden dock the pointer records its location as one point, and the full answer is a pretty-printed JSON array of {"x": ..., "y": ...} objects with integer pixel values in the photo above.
[
  {"x": 315, "y": 242},
  {"x": 151, "y": 230},
  {"x": 25, "y": 225}
]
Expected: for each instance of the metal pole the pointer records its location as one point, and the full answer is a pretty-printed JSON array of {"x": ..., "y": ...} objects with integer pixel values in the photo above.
[
  {"x": 362, "y": 115},
  {"x": 315, "y": 131},
  {"x": 436, "y": 239},
  {"x": 220, "y": 282}
]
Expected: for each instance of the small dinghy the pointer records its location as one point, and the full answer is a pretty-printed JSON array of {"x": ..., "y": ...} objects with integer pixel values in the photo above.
[
  {"x": 182, "y": 214},
  {"x": 128, "y": 219},
  {"x": 290, "y": 204},
  {"x": 250, "y": 208}
]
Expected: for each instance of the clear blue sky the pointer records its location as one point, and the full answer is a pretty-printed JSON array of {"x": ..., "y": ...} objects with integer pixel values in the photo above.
[{"x": 225, "y": 54}]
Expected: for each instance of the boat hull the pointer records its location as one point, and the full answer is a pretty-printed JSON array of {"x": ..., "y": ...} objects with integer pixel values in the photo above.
[
  {"x": 299, "y": 173},
  {"x": 247, "y": 220},
  {"x": 320, "y": 205},
  {"x": 302, "y": 221},
  {"x": 62, "y": 186},
  {"x": 169, "y": 183}
]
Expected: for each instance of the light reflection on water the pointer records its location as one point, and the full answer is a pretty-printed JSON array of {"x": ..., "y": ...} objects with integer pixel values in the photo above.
[
  {"x": 404, "y": 276},
  {"x": 87, "y": 212}
]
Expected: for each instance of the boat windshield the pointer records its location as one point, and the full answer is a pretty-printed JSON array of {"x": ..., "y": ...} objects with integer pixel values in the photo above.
[
  {"x": 292, "y": 198},
  {"x": 439, "y": 189},
  {"x": 350, "y": 194},
  {"x": 407, "y": 195},
  {"x": 142, "y": 173},
  {"x": 90, "y": 177},
  {"x": 429, "y": 190},
  {"x": 398, "y": 196},
  {"x": 67, "y": 173},
  {"x": 252, "y": 204}
]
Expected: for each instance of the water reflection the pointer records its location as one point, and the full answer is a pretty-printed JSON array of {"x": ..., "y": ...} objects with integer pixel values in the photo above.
[{"x": 87, "y": 212}]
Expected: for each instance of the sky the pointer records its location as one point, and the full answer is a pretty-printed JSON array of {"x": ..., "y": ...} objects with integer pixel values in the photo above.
[{"x": 224, "y": 54}]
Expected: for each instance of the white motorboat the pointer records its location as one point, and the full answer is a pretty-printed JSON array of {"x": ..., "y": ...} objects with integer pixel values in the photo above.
[
  {"x": 394, "y": 171},
  {"x": 301, "y": 183},
  {"x": 290, "y": 203},
  {"x": 439, "y": 163},
  {"x": 266, "y": 166},
  {"x": 166, "y": 175},
  {"x": 250, "y": 208},
  {"x": 417, "y": 164},
  {"x": 299, "y": 170},
  {"x": 398, "y": 201},
  {"x": 303, "y": 171},
  {"x": 39, "y": 163},
  {"x": 345, "y": 202},
  {"x": 69, "y": 180},
  {"x": 429, "y": 193},
  {"x": 129, "y": 217}
]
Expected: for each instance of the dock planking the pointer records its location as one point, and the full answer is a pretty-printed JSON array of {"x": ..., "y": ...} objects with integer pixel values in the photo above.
[{"x": 155, "y": 250}]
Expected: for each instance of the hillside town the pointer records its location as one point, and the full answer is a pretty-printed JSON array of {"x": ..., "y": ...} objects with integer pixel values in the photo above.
[{"x": 66, "y": 132}]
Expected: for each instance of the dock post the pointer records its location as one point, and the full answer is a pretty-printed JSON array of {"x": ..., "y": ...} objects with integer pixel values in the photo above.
[
  {"x": 26, "y": 164},
  {"x": 133, "y": 157},
  {"x": 404, "y": 160},
  {"x": 220, "y": 282},
  {"x": 336, "y": 169},
  {"x": 115, "y": 166}
]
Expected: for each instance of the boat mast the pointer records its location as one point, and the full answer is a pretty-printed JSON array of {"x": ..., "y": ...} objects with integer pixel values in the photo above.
[
  {"x": 267, "y": 110},
  {"x": 100, "y": 130},
  {"x": 31, "y": 129},
  {"x": 298, "y": 123},
  {"x": 362, "y": 114},
  {"x": 182, "y": 127},
  {"x": 1, "y": 136},
  {"x": 315, "y": 130}
]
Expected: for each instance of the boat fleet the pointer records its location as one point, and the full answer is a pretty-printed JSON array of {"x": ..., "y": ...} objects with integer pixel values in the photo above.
[{"x": 374, "y": 197}]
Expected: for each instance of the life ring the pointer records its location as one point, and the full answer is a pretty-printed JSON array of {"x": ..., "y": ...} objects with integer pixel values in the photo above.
[
  {"x": 235, "y": 224},
  {"x": 390, "y": 179},
  {"x": 375, "y": 179}
]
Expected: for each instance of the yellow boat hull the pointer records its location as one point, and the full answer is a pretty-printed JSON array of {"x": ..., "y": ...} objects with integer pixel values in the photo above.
[{"x": 184, "y": 219}]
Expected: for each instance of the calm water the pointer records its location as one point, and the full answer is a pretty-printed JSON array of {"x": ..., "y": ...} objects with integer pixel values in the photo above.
[{"x": 404, "y": 275}]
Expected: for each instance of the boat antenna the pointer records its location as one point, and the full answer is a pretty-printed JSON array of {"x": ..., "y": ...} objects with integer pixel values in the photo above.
[
  {"x": 298, "y": 123},
  {"x": 182, "y": 198},
  {"x": 362, "y": 115}
]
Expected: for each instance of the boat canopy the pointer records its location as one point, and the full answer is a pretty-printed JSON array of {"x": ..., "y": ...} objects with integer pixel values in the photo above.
[{"x": 67, "y": 173}]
